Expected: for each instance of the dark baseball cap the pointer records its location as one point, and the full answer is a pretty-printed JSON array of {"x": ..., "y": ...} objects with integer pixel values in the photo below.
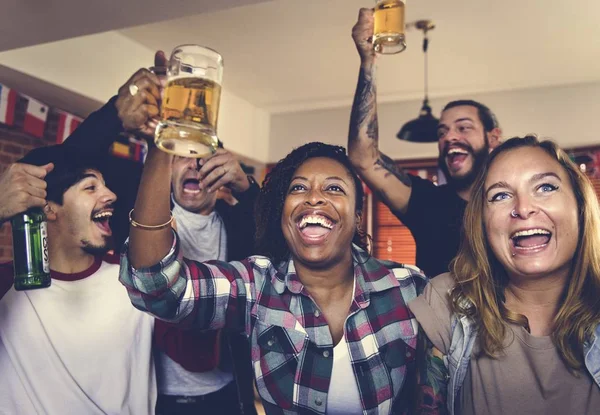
[{"x": 70, "y": 165}]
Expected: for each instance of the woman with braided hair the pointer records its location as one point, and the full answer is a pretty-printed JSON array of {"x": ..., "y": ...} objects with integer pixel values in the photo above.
[{"x": 329, "y": 326}]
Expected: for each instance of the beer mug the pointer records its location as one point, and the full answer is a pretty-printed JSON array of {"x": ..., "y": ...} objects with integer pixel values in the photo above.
[
  {"x": 388, "y": 34},
  {"x": 190, "y": 105}
]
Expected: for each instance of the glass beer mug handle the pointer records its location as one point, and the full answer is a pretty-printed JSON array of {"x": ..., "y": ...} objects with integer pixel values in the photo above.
[{"x": 158, "y": 70}]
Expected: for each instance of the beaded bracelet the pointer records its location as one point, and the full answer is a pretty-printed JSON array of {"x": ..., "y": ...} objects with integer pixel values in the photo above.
[{"x": 148, "y": 227}]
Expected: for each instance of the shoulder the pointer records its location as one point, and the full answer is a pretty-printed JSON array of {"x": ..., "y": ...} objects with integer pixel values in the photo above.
[
  {"x": 6, "y": 277},
  {"x": 410, "y": 272},
  {"x": 402, "y": 271},
  {"x": 259, "y": 261},
  {"x": 424, "y": 184},
  {"x": 424, "y": 195},
  {"x": 437, "y": 292},
  {"x": 433, "y": 310},
  {"x": 411, "y": 279},
  {"x": 436, "y": 295},
  {"x": 443, "y": 283}
]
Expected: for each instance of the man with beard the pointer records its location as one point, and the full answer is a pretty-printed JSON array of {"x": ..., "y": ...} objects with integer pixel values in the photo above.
[
  {"x": 77, "y": 346},
  {"x": 467, "y": 132}
]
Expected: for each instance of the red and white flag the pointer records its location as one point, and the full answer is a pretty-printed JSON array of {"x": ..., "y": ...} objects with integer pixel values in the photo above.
[
  {"x": 67, "y": 123},
  {"x": 35, "y": 118},
  {"x": 8, "y": 102}
]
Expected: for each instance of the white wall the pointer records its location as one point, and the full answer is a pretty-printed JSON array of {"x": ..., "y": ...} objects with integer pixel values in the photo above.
[
  {"x": 567, "y": 114},
  {"x": 243, "y": 128},
  {"x": 96, "y": 66}
]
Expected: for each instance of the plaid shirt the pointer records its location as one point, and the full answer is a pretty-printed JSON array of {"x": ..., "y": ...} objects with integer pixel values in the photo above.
[{"x": 292, "y": 348}]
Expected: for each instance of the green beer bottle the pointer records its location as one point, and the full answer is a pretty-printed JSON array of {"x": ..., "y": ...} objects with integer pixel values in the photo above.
[{"x": 30, "y": 250}]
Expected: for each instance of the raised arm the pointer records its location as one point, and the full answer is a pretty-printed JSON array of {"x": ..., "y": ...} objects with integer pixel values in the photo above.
[
  {"x": 124, "y": 112},
  {"x": 159, "y": 280},
  {"x": 149, "y": 243},
  {"x": 378, "y": 170},
  {"x": 432, "y": 379}
]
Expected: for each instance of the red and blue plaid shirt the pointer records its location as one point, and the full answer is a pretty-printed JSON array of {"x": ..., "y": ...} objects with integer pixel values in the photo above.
[{"x": 292, "y": 348}]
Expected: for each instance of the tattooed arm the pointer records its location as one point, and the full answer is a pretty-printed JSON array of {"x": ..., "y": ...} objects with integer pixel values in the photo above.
[
  {"x": 432, "y": 379},
  {"x": 379, "y": 171}
]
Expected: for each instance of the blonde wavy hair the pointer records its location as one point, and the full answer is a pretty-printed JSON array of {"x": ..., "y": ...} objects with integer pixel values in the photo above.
[{"x": 481, "y": 279}]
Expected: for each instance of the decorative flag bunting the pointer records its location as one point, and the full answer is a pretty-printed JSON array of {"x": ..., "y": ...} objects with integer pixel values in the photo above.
[
  {"x": 121, "y": 150},
  {"x": 35, "y": 118},
  {"x": 67, "y": 123},
  {"x": 138, "y": 149},
  {"x": 8, "y": 103}
]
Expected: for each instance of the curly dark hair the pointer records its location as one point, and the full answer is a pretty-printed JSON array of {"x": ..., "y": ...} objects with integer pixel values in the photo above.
[{"x": 270, "y": 241}]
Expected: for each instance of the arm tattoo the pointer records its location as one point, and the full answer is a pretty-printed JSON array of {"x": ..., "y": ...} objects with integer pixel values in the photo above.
[
  {"x": 364, "y": 109},
  {"x": 391, "y": 169},
  {"x": 432, "y": 379}
]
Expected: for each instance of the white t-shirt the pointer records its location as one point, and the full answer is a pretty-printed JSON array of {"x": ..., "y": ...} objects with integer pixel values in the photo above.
[
  {"x": 343, "y": 397},
  {"x": 202, "y": 238},
  {"x": 77, "y": 347}
]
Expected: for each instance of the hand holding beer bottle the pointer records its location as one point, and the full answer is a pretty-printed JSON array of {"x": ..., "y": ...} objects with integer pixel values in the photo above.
[
  {"x": 23, "y": 191},
  {"x": 22, "y": 186}
]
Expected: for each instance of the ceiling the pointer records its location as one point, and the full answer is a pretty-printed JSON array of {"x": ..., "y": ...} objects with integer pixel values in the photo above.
[
  {"x": 290, "y": 55},
  {"x": 31, "y": 22},
  {"x": 294, "y": 55}
]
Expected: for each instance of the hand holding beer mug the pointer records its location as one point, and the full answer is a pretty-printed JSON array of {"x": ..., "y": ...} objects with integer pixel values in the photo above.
[
  {"x": 388, "y": 35},
  {"x": 190, "y": 105}
]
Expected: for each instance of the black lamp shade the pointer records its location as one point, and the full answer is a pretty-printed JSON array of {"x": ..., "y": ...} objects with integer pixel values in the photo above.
[{"x": 422, "y": 129}]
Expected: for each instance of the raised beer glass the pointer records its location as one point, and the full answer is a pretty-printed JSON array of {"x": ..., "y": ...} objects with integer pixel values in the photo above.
[
  {"x": 190, "y": 106},
  {"x": 388, "y": 34}
]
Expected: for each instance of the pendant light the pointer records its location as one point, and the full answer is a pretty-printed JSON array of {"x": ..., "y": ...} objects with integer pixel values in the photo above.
[{"x": 424, "y": 128}]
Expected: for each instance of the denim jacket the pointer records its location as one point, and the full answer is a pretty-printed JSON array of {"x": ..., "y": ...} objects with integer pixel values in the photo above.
[{"x": 464, "y": 336}]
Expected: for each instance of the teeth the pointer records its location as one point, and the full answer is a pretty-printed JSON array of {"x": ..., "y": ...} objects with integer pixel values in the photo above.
[
  {"x": 457, "y": 151},
  {"x": 530, "y": 232},
  {"x": 103, "y": 215},
  {"x": 315, "y": 220}
]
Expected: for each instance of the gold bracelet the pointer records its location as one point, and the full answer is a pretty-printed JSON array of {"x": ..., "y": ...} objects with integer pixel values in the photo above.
[{"x": 148, "y": 227}]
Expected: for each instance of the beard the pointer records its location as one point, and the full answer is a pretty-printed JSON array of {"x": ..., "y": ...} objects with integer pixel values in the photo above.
[
  {"x": 465, "y": 181},
  {"x": 96, "y": 250}
]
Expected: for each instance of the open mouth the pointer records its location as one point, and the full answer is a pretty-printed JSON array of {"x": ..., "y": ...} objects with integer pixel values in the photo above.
[
  {"x": 456, "y": 156},
  {"x": 101, "y": 219},
  {"x": 531, "y": 239},
  {"x": 315, "y": 226},
  {"x": 191, "y": 186}
]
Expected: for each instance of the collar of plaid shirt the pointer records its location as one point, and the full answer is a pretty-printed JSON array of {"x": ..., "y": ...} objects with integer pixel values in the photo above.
[{"x": 371, "y": 275}]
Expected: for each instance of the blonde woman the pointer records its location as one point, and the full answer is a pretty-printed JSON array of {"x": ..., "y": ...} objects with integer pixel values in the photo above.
[{"x": 514, "y": 328}]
